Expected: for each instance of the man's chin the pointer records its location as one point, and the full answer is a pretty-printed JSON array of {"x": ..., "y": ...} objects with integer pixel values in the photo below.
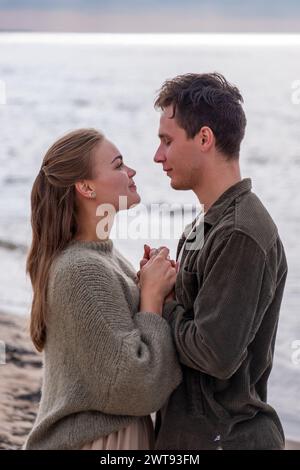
[{"x": 176, "y": 184}]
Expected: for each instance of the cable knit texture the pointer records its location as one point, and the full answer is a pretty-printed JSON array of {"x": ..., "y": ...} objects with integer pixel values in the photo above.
[{"x": 105, "y": 362}]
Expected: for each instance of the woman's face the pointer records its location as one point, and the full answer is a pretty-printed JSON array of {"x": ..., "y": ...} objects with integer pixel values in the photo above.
[{"x": 112, "y": 178}]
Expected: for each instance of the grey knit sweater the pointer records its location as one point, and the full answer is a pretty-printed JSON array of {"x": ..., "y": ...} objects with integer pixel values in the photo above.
[{"x": 105, "y": 363}]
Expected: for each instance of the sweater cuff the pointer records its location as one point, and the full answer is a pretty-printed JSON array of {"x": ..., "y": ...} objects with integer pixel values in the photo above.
[
  {"x": 168, "y": 310},
  {"x": 151, "y": 319}
]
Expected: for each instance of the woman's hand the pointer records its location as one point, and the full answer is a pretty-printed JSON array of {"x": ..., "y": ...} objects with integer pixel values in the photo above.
[
  {"x": 157, "y": 279},
  {"x": 149, "y": 253}
]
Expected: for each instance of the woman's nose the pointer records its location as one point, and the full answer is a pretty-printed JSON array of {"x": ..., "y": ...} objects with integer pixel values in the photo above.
[{"x": 131, "y": 172}]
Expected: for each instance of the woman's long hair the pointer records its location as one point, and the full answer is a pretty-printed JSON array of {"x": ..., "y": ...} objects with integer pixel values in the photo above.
[{"x": 53, "y": 214}]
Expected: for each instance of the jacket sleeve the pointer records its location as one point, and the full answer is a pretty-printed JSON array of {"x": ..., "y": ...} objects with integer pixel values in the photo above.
[{"x": 228, "y": 308}]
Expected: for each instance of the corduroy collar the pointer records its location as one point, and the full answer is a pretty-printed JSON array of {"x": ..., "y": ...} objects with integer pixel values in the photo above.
[{"x": 215, "y": 212}]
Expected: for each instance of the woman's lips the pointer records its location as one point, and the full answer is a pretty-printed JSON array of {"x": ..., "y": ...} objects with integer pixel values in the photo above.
[{"x": 132, "y": 187}]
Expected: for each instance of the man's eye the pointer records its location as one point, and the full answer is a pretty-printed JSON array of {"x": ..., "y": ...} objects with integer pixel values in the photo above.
[{"x": 167, "y": 142}]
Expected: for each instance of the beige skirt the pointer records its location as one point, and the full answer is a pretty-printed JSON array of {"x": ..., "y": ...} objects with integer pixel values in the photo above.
[{"x": 139, "y": 435}]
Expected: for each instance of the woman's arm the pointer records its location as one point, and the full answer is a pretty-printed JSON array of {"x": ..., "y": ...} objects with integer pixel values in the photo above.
[{"x": 129, "y": 365}]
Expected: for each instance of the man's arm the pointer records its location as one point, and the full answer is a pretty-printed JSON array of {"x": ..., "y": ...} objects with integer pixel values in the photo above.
[{"x": 228, "y": 309}]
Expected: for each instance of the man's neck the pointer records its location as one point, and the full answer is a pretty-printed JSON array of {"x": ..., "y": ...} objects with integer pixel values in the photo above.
[{"x": 212, "y": 188}]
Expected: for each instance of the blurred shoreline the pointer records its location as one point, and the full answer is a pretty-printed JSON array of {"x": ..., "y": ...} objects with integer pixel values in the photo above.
[{"x": 20, "y": 384}]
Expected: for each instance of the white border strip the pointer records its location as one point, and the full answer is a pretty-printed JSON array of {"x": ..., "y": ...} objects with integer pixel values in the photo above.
[{"x": 188, "y": 39}]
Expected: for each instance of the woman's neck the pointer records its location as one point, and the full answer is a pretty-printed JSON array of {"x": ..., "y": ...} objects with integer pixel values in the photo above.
[{"x": 97, "y": 229}]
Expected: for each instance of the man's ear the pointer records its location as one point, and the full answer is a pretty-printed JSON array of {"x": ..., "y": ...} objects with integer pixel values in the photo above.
[
  {"x": 206, "y": 138},
  {"x": 84, "y": 188}
]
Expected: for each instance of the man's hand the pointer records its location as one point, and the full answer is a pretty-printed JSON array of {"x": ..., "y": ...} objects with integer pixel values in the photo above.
[
  {"x": 143, "y": 261},
  {"x": 170, "y": 296},
  {"x": 149, "y": 253}
]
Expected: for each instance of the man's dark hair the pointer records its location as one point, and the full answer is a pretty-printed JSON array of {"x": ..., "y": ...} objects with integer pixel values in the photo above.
[{"x": 206, "y": 100}]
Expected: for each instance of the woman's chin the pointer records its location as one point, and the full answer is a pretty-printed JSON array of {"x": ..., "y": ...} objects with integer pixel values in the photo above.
[
  {"x": 134, "y": 199},
  {"x": 131, "y": 201}
]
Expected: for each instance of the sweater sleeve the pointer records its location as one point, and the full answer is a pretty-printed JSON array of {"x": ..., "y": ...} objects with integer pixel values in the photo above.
[{"x": 128, "y": 365}]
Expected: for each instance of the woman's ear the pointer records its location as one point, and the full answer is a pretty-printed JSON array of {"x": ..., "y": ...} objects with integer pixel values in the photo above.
[{"x": 85, "y": 189}]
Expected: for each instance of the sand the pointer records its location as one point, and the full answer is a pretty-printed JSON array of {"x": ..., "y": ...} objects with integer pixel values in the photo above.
[{"x": 20, "y": 382}]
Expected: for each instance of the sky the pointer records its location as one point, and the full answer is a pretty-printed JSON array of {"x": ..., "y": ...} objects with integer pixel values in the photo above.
[{"x": 150, "y": 15}]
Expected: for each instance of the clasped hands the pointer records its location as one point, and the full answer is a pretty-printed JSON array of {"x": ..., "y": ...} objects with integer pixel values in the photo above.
[{"x": 157, "y": 274}]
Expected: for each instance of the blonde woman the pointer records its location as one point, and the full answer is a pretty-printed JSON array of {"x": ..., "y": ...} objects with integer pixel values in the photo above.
[{"x": 109, "y": 358}]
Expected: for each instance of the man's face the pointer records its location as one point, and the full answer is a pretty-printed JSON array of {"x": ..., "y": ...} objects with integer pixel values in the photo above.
[{"x": 178, "y": 155}]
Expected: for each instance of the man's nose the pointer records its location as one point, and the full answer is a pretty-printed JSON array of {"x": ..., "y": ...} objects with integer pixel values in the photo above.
[{"x": 159, "y": 157}]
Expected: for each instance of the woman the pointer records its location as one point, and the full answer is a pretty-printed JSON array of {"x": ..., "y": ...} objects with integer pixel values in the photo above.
[{"x": 109, "y": 359}]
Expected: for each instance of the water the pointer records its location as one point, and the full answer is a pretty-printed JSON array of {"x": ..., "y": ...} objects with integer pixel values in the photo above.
[{"x": 55, "y": 83}]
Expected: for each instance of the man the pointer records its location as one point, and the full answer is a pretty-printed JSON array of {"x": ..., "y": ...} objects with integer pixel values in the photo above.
[{"x": 229, "y": 286}]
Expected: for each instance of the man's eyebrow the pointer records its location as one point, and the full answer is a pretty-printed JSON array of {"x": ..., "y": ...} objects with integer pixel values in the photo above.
[{"x": 116, "y": 158}]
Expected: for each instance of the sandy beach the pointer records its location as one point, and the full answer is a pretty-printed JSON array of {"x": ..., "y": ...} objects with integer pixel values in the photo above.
[{"x": 20, "y": 384}]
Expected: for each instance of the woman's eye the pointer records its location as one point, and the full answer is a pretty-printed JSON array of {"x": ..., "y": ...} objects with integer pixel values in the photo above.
[{"x": 120, "y": 166}]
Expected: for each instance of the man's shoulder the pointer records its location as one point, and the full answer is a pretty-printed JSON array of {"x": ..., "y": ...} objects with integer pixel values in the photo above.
[
  {"x": 253, "y": 219},
  {"x": 248, "y": 216}
]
